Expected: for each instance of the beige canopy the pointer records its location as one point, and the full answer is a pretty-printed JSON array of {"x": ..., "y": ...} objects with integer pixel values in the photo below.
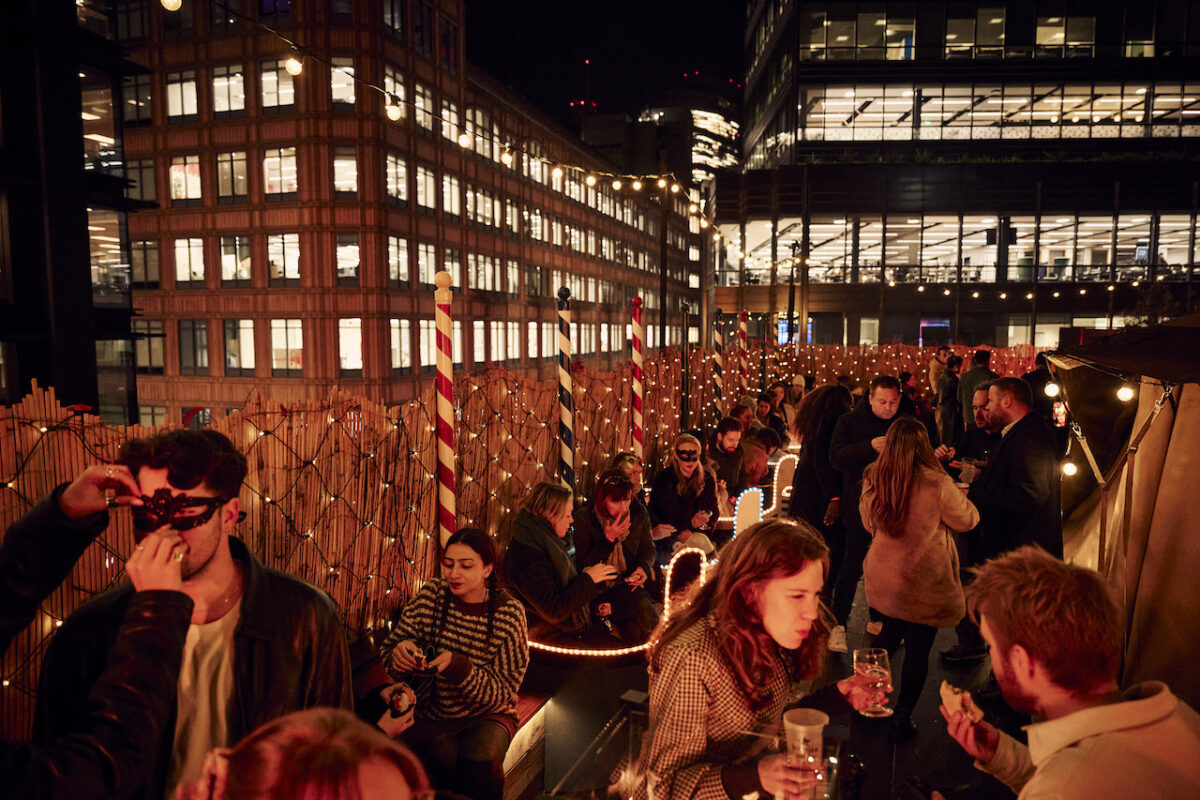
[{"x": 1132, "y": 510}]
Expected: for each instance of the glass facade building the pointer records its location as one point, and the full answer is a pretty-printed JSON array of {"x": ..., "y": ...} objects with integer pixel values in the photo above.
[{"x": 977, "y": 161}]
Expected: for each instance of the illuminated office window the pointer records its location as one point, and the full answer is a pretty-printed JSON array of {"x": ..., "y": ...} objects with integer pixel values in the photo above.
[
  {"x": 426, "y": 188},
  {"x": 185, "y": 180},
  {"x": 278, "y": 94},
  {"x": 229, "y": 91},
  {"x": 400, "y": 345},
  {"x": 427, "y": 344},
  {"x": 231, "y": 177},
  {"x": 239, "y": 348},
  {"x": 345, "y": 173},
  {"x": 451, "y": 195},
  {"x": 181, "y": 96},
  {"x": 189, "y": 263},
  {"x": 396, "y": 178},
  {"x": 350, "y": 347},
  {"x": 287, "y": 348},
  {"x": 341, "y": 82},
  {"x": 397, "y": 261},
  {"x": 279, "y": 173},
  {"x": 347, "y": 258},
  {"x": 235, "y": 261},
  {"x": 149, "y": 346},
  {"x": 283, "y": 259}
]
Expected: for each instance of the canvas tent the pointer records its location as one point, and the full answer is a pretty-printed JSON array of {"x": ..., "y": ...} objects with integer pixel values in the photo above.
[{"x": 1131, "y": 510}]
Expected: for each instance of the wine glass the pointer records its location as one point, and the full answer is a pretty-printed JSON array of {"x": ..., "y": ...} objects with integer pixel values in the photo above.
[{"x": 876, "y": 672}]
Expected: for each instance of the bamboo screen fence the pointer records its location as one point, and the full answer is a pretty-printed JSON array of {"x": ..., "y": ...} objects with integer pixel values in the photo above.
[{"x": 343, "y": 493}]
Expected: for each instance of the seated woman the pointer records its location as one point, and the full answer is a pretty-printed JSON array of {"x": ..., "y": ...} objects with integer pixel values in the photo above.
[
  {"x": 721, "y": 671},
  {"x": 683, "y": 498},
  {"x": 910, "y": 505},
  {"x": 537, "y": 568},
  {"x": 612, "y": 530},
  {"x": 461, "y": 642},
  {"x": 321, "y": 752}
]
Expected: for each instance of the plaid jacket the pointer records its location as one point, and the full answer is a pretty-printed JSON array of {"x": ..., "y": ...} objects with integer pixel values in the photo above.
[{"x": 700, "y": 722}]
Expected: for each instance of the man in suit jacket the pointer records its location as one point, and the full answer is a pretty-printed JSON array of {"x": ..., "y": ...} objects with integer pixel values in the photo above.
[
  {"x": 1017, "y": 493},
  {"x": 857, "y": 439},
  {"x": 977, "y": 374}
]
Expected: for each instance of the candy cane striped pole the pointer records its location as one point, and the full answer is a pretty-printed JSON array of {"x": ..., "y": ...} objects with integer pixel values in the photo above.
[
  {"x": 445, "y": 407},
  {"x": 718, "y": 366},
  {"x": 566, "y": 411},
  {"x": 638, "y": 378},
  {"x": 743, "y": 352}
]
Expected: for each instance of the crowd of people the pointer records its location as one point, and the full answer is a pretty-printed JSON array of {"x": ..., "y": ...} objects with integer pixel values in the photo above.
[{"x": 211, "y": 675}]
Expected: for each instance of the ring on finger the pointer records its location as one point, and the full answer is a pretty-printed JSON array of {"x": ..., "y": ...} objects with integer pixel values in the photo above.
[
  {"x": 140, "y": 547},
  {"x": 177, "y": 555},
  {"x": 110, "y": 472}
]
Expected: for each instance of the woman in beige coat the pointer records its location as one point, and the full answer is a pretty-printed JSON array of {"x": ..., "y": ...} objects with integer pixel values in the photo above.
[{"x": 910, "y": 505}]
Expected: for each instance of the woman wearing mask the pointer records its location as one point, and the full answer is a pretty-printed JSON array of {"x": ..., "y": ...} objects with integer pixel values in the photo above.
[
  {"x": 537, "y": 568},
  {"x": 683, "y": 497},
  {"x": 612, "y": 530},
  {"x": 462, "y": 641},
  {"x": 910, "y": 505},
  {"x": 721, "y": 671}
]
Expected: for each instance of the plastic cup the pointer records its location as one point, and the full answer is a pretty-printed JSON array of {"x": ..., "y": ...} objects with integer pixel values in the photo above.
[{"x": 804, "y": 729}]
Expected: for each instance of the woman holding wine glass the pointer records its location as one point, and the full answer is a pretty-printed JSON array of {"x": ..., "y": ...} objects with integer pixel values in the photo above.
[
  {"x": 910, "y": 505},
  {"x": 721, "y": 671}
]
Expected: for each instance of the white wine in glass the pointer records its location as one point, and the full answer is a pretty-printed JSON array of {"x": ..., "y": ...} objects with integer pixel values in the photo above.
[{"x": 876, "y": 672}]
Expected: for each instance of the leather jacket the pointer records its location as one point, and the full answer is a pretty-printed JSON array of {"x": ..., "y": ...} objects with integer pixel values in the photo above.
[
  {"x": 114, "y": 738},
  {"x": 290, "y": 653}
]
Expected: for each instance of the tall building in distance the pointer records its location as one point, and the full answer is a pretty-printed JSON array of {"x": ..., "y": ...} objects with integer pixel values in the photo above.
[
  {"x": 967, "y": 171},
  {"x": 64, "y": 288},
  {"x": 307, "y": 185}
]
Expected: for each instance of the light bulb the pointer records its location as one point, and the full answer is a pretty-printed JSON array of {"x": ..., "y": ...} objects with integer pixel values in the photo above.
[
  {"x": 172, "y": 5},
  {"x": 1069, "y": 468},
  {"x": 557, "y": 172},
  {"x": 617, "y": 185},
  {"x": 636, "y": 186},
  {"x": 662, "y": 183},
  {"x": 920, "y": 288},
  {"x": 1052, "y": 389},
  {"x": 464, "y": 139},
  {"x": 506, "y": 158},
  {"x": 392, "y": 108},
  {"x": 590, "y": 180},
  {"x": 674, "y": 188},
  {"x": 293, "y": 65},
  {"x": 1125, "y": 393}
]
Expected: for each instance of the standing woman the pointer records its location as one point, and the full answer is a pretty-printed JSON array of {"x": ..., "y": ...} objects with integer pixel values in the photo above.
[
  {"x": 721, "y": 671},
  {"x": 683, "y": 497},
  {"x": 537, "y": 567},
  {"x": 467, "y": 637},
  {"x": 817, "y": 487},
  {"x": 612, "y": 530},
  {"x": 910, "y": 505}
]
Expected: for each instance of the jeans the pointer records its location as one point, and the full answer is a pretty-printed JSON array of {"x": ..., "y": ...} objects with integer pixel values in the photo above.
[
  {"x": 468, "y": 761},
  {"x": 858, "y": 542}
]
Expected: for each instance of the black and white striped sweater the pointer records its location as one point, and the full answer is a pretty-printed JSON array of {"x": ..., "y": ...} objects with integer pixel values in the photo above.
[{"x": 484, "y": 672}]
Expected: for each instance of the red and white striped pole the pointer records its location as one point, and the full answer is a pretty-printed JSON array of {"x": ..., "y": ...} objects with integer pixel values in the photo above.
[
  {"x": 743, "y": 353},
  {"x": 638, "y": 385},
  {"x": 445, "y": 407}
]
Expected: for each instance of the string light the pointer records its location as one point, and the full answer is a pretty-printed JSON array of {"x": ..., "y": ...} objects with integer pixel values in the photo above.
[
  {"x": 293, "y": 65},
  {"x": 393, "y": 109},
  {"x": 1069, "y": 468},
  {"x": 1125, "y": 393},
  {"x": 172, "y": 5}
]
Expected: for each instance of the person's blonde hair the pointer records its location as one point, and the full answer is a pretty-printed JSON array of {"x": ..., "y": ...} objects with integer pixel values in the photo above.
[
  {"x": 314, "y": 755},
  {"x": 546, "y": 498},
  {"x": 695, "y": 484}
]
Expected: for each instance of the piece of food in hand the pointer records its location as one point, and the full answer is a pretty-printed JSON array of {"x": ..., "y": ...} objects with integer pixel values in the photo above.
[
  {"x": 399, "y": 702},
  {"x": 955, "y": 699}
]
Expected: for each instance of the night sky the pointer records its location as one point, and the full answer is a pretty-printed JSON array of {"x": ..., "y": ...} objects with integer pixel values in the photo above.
[{"x": 638, "y": 48}]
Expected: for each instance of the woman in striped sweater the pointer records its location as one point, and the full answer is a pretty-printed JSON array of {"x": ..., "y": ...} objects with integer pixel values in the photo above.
[{"x": 462, "y": 643}]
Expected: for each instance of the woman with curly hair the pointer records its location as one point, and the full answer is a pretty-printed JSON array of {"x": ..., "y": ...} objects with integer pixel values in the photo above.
[{"x": 721, "y": 670}]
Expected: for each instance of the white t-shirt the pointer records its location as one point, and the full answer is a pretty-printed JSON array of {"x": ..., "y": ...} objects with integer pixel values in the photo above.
[{"x": 205, "y": 686}]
